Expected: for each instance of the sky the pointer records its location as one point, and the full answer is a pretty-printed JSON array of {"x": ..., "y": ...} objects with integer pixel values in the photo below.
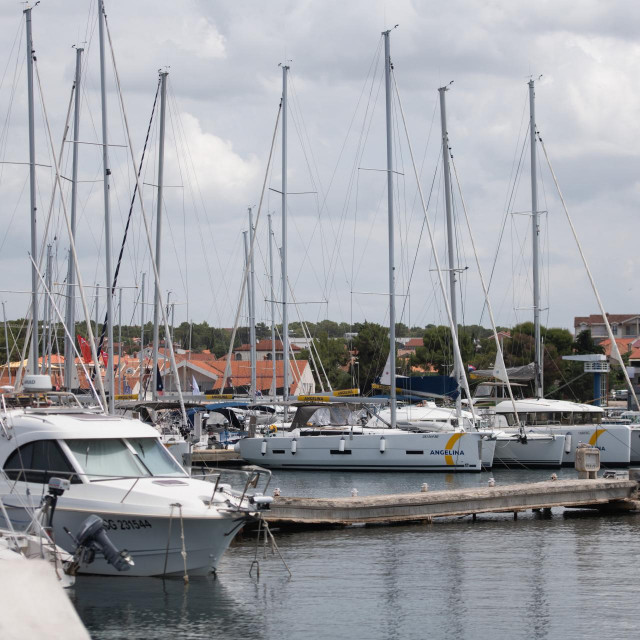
[{"x": 224, "y": 90}]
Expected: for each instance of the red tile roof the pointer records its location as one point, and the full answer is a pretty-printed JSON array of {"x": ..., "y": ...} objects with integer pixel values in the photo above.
[
  {"x": 265, "y": 345},
  {"x": 618, "y": 318}
]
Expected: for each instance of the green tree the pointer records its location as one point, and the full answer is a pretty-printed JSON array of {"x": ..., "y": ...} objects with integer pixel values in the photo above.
[{"x": 372, "y": 347}]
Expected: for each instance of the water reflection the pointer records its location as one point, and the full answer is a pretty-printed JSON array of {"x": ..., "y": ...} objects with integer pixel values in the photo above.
[
  {"x": 157, "y": 608},
  {"x": 540, "y": 577}
]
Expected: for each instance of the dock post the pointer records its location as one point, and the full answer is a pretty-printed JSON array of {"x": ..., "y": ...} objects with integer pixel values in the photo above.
[{"x": 587, "y": 461}]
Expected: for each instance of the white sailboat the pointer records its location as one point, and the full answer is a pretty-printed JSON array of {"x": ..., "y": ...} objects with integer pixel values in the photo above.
[
  {"x": 575, "y": 422},
  {"x": 319, "y": 438}
]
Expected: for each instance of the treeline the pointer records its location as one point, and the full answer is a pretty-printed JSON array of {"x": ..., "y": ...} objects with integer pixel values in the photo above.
[{"x": 354, "y": 354}]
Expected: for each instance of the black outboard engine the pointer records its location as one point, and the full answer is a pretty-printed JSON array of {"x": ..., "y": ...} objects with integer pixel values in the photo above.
[{"x": 93, "y": 537}]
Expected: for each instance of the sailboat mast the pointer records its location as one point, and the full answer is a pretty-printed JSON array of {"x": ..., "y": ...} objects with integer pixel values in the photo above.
[
  {"x": 156, "y": 299},
  {"x": 32, "y": 198},
  {"x": 392, "y": 304},
  {"x": 107, "y": 211},
  {"x": 70, "y": 316},
  {"x": 273, "y": 312},
  {"x": 535, "y": 234},
  {"x": 283, "y": 255},
  {"x": 252, "y": 309},
  {"x": 48, "y": 315},
  {"x": 141, "y": 392},
  {"x": 450, "y": 244},
  {"x": 6, "y": 340}
]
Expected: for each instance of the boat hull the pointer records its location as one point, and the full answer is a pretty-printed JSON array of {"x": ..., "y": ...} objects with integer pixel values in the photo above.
[
  {"x": 368, "y": 452},
  {"x": 154, "y": 543},
  {"x": 538, "y": 453}
]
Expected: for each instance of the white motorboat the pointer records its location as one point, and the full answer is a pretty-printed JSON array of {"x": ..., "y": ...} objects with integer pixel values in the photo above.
[
  {"x": 119, "y": 470},
  {"x": 325, "y": 436}
]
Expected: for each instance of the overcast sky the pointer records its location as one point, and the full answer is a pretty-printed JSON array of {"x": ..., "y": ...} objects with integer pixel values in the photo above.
[{"x": 224, "y": 89}]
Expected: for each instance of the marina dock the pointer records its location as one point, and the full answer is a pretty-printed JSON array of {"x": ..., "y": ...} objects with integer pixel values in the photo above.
[
  {"x": 217, "y": 458},
  {"x": 300, "y": 513}
]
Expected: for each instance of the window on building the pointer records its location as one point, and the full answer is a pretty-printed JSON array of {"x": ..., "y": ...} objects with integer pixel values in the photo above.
[
  {"x": 238, "y": 356},
  {"x": 630, "y": 330},
  {"x": 614, "y": 329}
]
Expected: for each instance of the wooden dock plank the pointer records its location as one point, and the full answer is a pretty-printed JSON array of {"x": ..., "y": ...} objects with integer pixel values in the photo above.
[{"x": 381, "y": 509}]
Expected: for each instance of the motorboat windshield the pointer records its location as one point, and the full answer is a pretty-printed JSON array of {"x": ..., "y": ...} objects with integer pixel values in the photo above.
[{"x": 108, "y": 458}]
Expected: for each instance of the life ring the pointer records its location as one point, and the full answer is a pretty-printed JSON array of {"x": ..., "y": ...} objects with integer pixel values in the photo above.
[{"x": 273, "y": 428}]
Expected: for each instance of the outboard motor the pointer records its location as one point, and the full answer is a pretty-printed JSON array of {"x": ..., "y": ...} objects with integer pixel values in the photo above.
[{"x": 92, "y": 537}]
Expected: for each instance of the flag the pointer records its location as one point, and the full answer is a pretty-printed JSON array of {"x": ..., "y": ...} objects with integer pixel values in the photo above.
[
  {"x": 470, "y": 367},
  {"x": 195, "y": 389},
  {"x": 105, "y": 358},
  {"x": 159, "y": 385},
  {"x": 85, "y": 349}
]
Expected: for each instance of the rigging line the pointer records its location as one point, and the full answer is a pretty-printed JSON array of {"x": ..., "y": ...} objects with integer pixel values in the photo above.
[
  {"x": 53, "y": 304},
  {"x": 191, "y": 172},
  {"x": 506, "y": 214},
  {"x": 456, "y": 346},
  {"x": 126, "y": 229},
  {"x": 246, "y": 269},
  {"x": 372, "y": 66},
  {"x": 364, "y": 136},
  {"x": 486, "y": 296},
  {"x": 415, "y": 257},
  {"x": 361, "y": 144},
  {"x": 17, "y": 72},
  {"x": 615, "y": 352},
  {"x": 146, "y": 227},
  {"x": 71, "y": 240}
]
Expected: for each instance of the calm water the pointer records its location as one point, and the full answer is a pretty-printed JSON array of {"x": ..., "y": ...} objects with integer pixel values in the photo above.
[{"x": 567, "y": 576}]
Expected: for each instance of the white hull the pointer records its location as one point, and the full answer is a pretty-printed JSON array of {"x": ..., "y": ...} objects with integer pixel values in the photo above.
[
  {"x": 154, "y": 543},
  {"x": 613, "y": 441},
  {"x": 544, "y": 452},
  {"x": 635, "y": 445},
  {"x": 402, "y": 451},
  {"x": 488, "y": 452}
]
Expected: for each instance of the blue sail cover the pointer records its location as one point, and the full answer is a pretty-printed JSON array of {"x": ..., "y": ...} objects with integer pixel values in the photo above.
[
  {"x": 429, "y": 386},
  {"x": 424, "y": 386}
]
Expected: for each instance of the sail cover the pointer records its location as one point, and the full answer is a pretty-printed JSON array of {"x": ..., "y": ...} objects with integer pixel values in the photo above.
[{"x": 522, "y": 374}]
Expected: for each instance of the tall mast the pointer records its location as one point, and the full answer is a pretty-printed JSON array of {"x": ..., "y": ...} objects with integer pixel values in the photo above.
[
  {"x": 535, "y": 233},
  {"x": 273, "y": 311},
  {"x": 70, "y": 319},
  {"x": 156, "y": 300},
  {"x": 48, "y": 315},
  {"x": 32, "y": 198},
  {"x": 120, "y": 369},
  {"x": 392, "y": 293},
  {"x": 6, "y": 340},
  {"x": 252, "y": 310},
  {"x": 141, "y": 393},
  {"x": 246, "y": 266},
  {"x": 107, "y": 211},
  {"x": 450, "y": 245},
  {"x": 285, "y": 320}
]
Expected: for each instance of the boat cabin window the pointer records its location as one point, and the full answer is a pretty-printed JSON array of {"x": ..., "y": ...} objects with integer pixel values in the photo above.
[
  {"x": 39, "y": 461},
  {"x": 104, "y": 458},
  {"x": 155, "y": 457},
  {"x": 484, "y": 391}
]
